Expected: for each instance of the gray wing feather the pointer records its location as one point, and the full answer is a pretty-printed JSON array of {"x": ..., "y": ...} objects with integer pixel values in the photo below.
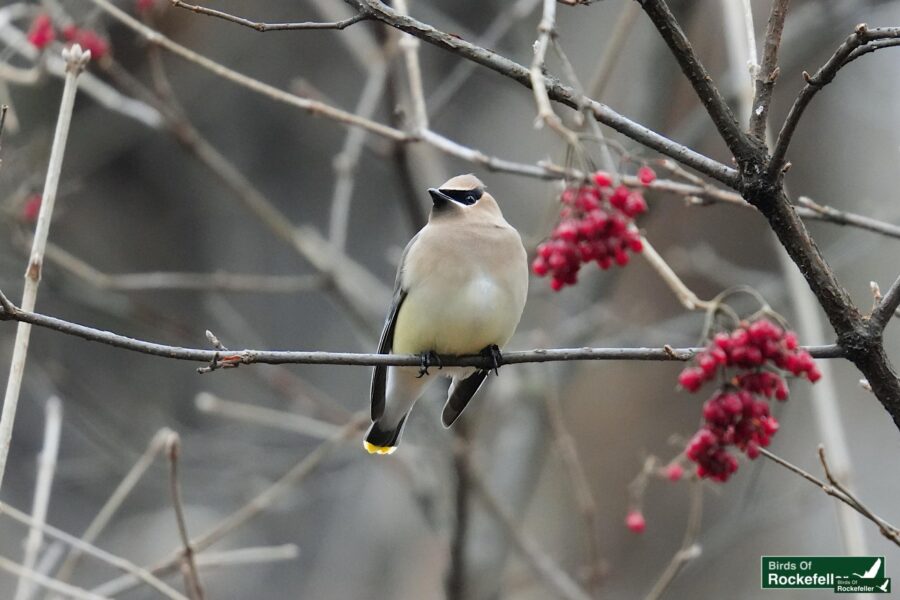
[{"x": 386, "y": 341}]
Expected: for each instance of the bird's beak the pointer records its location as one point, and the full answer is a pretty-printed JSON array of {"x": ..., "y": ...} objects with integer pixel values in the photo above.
[{"x": 438, "y": 197}]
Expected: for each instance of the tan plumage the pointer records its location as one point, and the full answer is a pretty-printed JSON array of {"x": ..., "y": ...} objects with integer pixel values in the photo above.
[{"x": 460, "y": 289}]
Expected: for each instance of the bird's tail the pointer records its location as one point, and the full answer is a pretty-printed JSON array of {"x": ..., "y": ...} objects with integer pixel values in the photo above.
[{"x": 382, "y": 438}]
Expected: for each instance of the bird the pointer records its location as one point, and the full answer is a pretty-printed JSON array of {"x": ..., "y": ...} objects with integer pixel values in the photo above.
[{"x": 460, "y": 289}]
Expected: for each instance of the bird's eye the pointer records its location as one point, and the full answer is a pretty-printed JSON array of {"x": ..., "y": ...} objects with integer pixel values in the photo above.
[{"x": 467, "y": 197}]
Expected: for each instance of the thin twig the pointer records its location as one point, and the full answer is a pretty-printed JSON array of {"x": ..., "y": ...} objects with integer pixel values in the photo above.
[
  {"x": 503, "y": 23},
  {"x": 410, "y": 47},
  {"x": 218, "y": 281},
  {"x": 546, "y": 31},
  {"x": 689, "y": 549},
  {"x": 189, "y": 566},
  {"x": 613, "y": 50},
  {"x": 278, "y": 419},
  {"x": 248, "y": 556},
  {"x": 76, "y": 60},
  {"x": 263, "y": 27},
  {"x": 46, "y": 471},
  {"x": 886, "y": 308},
  {"x": 835, "y": 490},
  {"x": 346, "y": 162},
  {"x": 120, "y": 563},
  {"x": 768, "y": 71},
  {"x": 115, "y": 500},
  {"x": 684, "y": 294}
]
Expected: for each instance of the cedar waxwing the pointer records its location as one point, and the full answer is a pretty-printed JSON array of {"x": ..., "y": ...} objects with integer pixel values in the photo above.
[{"x": 460, "y": 289}]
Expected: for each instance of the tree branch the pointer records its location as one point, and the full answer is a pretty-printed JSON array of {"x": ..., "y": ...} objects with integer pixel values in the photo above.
[
  {"x": 768, "y": 71},
  {"x": 860, "y": 42},
  {"x": 557, "y": 91},
  {"x": 220, "y": 358},
  {"x": 189, "y": 565},
  {"x": 741, "y": 145},
  {"x": 263, "y": 27},
  {"x": 883, "y": 313},
  {"x": 836, "y": 490}
]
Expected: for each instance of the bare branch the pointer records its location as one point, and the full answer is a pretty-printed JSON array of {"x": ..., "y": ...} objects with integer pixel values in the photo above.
[
  {"x": 860, "y": 42},
  {"x": 48, "y": 582},
  {"x": 41, "y": 502},
  {"x": 312, "y": 106},
  {"x": 836, "y": 491},
  {"x": 109, "y": 508},
  {"x": 219, "y": 358},
  {"x": 86, "y": 548},
  {"x": 76, "y": 59},
  {"x": 689, "y": 549},
  {"x": 263, "y": 27},
  {"x": 300, "y": 471},
  {"x": 189, "y": 566},
  {"x": 555, "y": 90},
  {"x": 175, "y": 281},
  {"x": 734, "y": 137},
  {"x": 885, "y": 309},
  {"x": 546, "y": 32},
  {"x": 768, "y": 72},
  {"x": 279, "y": 419}
]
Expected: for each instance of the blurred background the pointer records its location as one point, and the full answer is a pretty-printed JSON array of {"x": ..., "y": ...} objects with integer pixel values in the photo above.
[{"x": 166, "y": 171}]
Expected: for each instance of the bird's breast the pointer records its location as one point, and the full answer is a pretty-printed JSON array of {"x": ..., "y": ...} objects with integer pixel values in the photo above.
[{"x": 457, "y": 312}]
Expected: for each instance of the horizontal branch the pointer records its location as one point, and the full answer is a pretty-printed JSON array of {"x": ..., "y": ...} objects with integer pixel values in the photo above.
[
  {"x": 227, "y": 358},
  {"x": 202, "y": 10}
]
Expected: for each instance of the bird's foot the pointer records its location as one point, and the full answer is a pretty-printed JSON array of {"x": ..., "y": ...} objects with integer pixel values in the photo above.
[
  {"x": 427, "y": 360},
  {"x": 494, "y": 356}
]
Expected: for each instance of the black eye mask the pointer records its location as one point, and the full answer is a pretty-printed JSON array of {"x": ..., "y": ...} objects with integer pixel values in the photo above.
[{"x": 467, "y": 197}]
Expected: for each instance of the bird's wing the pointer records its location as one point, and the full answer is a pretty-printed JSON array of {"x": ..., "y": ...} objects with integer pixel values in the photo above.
[
  {"x": 379, "y": 374},
  {"x": 460, "y": 395}
]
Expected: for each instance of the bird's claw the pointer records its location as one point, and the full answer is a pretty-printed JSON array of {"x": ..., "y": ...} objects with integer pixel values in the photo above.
[
  {"x": 492, "y": 353},
  {"x": 427, "y": 360}
]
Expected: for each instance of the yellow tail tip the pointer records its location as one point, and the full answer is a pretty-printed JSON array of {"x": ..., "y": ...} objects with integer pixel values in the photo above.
[{"x": 373, "y": 449}]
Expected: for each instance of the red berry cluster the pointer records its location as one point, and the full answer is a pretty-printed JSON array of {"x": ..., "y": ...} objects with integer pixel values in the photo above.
[
  {"x": 596, "y": 224},
  {"x": 750, "y": 361},
  {"x": 41, "y": 33}
]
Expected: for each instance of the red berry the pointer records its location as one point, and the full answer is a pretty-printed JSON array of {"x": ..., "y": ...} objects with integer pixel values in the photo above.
[
  {"x": 41, "y": 32},
  {"x": 539, "y": 266},
  {"x": 674, "y": 471},
  {"x": 31, "y": 208},
  {"x": 602, "y": 179},
  {"x": 646, "y": 175},
  {"x": 635, "y": 521},
  {"x": 691, "y": 379},
  {"x": 144, "y": 5}
]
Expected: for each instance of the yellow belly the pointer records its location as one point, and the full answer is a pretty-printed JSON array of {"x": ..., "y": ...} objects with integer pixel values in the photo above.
[{"x": 450, "y": 319}]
